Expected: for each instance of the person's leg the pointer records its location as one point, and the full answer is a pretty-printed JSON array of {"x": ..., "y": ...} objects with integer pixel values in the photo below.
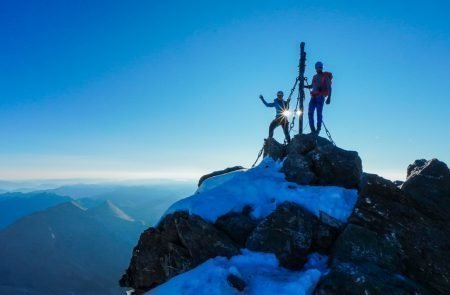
[
  {"x": 286, "y": 130},
  {"x": 272, "y": 127},
  {"x": 311, "y": 107},
  {"x": 319, "y": 106}
]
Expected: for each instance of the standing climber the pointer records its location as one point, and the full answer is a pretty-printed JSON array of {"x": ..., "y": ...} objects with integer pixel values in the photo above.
[
  {"x": 320, "y": 88},
  {"x": 281, "y": 106}
]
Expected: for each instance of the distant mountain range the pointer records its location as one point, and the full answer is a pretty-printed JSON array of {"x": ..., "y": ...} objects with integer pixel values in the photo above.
[
  {"x": 76, "y": 239},
  {"x": 16, "y": 205},
  {"x": 67, "y": 249}
]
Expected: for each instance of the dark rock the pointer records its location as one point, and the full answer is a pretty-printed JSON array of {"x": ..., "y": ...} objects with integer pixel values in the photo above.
[
  {"x": 145, "y": 270},
  {"x": 360, "y": 245},
  {"x": 356, "y": 279},
  {"x": 297, "y": 168},
  {"x": 335, "y": 166},
  {"x": 179, "y": 243},
  {"x": 220, "y": 172},
  {"x": 287, "y": 232},
  {"x": 428, "y": 183},
  {"x": 415, "y": 223},
  {"x": 247, "y": 210},
  {"x": 302, "y": 144},
  {"x": 236, "y": 282},
  {"x": 274, "y": 149},
  {"x": 326, "y": 233},
  {"x": 202, "y": 239},
  {"x": 237, "y": 225},
  {"x": 313, "y": 160}
]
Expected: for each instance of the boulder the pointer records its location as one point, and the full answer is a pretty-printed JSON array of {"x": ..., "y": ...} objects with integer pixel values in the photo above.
[
  {"x": 179, "y": 243},
  {"x": 302, "y": 144},
  {"x": 217, "y": 173},
  {"x": 326, "y": 233},
  {"x": 274, "y": 149},
  {"x": 360, "y": 245},
  {"x": 335, "y": 166},
  {"x": 297, "y": 168},
  {"x": 313, "y": 160},
  {"x": 428, "y": 184},
  {"x": 238, "y": 226},
  {"x": 287, "y": 232}
]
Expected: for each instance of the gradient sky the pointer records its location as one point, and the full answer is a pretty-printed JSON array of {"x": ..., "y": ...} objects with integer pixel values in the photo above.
[{"x": 131, "y": 89}]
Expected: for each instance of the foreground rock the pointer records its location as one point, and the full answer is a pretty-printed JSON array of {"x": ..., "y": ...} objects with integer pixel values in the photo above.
[
  {"x": 398, "y": 240},
  {"x": 312, "y": 160},
  {"x": 291, "y": 233},
  {"x": 217, "y": 173},
  {"x": 179, "y": 243}
]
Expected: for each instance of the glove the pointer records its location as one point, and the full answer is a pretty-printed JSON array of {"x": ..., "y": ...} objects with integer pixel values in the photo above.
[
  {"x": 261, "y": 97},
  {"x": 328, "y": 100}
]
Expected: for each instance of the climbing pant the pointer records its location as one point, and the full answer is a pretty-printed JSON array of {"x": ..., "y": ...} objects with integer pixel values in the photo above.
[
  {"x": 280, "y": 121},
  {"x": 315, "y": 103}
]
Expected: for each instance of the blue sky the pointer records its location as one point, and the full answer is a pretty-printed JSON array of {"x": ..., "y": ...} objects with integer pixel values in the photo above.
[{"x": 115, "y": 89}]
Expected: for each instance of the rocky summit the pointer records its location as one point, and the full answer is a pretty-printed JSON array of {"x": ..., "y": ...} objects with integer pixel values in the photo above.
[{"x": 395, "y": 241}]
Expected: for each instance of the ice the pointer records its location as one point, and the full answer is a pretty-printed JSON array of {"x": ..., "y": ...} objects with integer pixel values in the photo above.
[
  {"x": 260, "y": 271},
  {"x": 263, "y": 188}
]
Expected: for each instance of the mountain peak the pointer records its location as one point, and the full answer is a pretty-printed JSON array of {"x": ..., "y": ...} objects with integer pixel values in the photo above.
[{"x": 109, "y": 209}]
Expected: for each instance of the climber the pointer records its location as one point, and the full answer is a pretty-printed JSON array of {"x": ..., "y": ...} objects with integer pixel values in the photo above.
[
  {"x": 281, "y": 106},
  {"x": 320, "y": 88}
]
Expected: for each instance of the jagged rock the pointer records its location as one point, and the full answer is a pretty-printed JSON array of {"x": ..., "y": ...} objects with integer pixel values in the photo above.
[
  {"x": 428, "y": 183},
  {"x": 287, "y": 232},
  {"x": 422, "y": 234},
  {"x": 217, "y": 173},
  {"x": 236, "y": 282},
  {"x": 302, "y": 144},
  {"x": 297, "y": 168},
  {"x": 360, "y": 245},
  {"x": 356, "y": 279},
  {"x": 274, "y": 149},
  {"x": 179, "y": 243},
  {"x": 313, "y": 160},
  {"x": 335, "y": 166},
  {"x": 326, "y": 233},
  {"x": 154, "y": 261},
  {"x": 237, "y": 225}
]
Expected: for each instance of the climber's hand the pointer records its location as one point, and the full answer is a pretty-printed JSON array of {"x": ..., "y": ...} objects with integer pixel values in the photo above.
[
  {"x": 261, "y": 97},
  {"x": 328, "y": 100}
]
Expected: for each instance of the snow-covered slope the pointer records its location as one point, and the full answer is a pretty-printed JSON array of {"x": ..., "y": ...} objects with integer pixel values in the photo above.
[
  {"x": 264, "y": 188},
  {"x": 260, "y": 271}
]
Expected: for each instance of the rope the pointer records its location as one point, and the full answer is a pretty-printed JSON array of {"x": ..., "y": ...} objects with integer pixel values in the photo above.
[
  {"x": 328, "y": 133},
  {"x": 259, "y": 155}
]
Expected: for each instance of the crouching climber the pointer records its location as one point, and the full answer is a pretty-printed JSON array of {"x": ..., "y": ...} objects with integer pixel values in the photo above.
[
  {"x": 280, "y": 106},
  {"x": 320, "y": 88}
]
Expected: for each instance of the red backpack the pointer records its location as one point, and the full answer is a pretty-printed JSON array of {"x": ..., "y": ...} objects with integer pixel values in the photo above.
[{"x": 324, "y": 90}]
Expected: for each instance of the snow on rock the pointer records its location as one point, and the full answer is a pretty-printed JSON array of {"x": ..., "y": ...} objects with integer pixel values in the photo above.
[
  {"x": 264, "y": 188},
  {"x": 260, "y": 272}
]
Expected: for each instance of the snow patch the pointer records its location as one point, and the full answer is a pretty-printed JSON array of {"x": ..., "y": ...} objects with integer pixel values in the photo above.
[
  {"x": 263, "y": 188},
  {"x": 260, "y": 271}
]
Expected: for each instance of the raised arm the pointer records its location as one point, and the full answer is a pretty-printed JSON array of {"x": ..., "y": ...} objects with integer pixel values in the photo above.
[{"x": 269, "y": 105}]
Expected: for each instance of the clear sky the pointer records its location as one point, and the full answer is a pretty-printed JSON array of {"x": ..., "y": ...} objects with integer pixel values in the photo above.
[{"x": 130, "y": 89}]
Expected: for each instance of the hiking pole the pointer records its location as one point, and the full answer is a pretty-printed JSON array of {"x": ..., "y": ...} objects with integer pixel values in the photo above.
[{"x": 301, "y": 90}]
